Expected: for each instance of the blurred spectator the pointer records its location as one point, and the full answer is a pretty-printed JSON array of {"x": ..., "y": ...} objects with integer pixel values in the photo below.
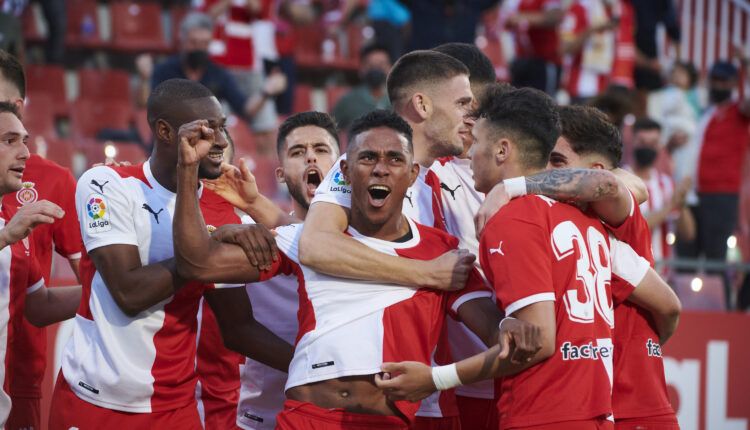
[
  {"x": 665, "y": 209},
  {"x": 535, "y": 26},
  {"x": 588, "y": 43},
  {"x": 193, "y": 62},
  {"x": 375, "y": 64},
  {"x": 723, "y": 138},
  {"x": 678, "y": 108},
  {"x": 648, "y": 15},
  {"x": 389, "y": 19},
  {"x": 435, "y": 22},
  {"x": 616, "y": 101}
]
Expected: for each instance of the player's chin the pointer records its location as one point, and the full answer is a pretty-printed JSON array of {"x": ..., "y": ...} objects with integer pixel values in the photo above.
[
  {"x": 209, "y": 170},
  {"x": 12, "y": 183}
]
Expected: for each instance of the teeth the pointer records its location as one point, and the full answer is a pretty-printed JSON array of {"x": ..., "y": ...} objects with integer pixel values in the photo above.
[{"x": 380, "y": 187}]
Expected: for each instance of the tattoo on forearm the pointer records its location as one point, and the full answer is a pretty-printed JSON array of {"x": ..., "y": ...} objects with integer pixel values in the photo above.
[{"x": 581, "y": 185}]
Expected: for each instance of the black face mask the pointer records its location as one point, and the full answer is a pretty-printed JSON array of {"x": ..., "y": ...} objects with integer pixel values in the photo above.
[
  {"x": 197, "y": 59},
  {"x": 717, "y": 95},
  {"x": 644, "y": 156},
  {"x": 374, "y": 78}
]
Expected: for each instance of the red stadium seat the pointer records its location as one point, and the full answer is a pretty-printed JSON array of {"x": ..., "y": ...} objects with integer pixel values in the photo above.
[
  {"x": 302, "y": 98},
  {"x": 48, "y": 81},
  {"x": 131, "y": 152},
  {"x": 264, "y": 170},
  {"x": 104, "y": 84},
  {"x": 82, "y": 29},
  {"x": 244, "y": 142},
  {"x": 89, "y": 117},
  {"x": 58, "y": 150},
  {"x": 31, "y": 31},
  {"x": 334, "y": 94},
  {"x": 136, "y": 26},
  {"x": 39, "y": 115}
]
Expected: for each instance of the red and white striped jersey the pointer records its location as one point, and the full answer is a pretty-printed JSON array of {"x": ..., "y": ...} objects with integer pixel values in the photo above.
[
  {"x": 347, "y": 330},
  {"x": 460, "y": 203},
  {"x": 144, "y": 363},
  {"x": 423, "y": 202},
  {"x": 660, "y": 190},
  {"x": 19, "y": 274}
]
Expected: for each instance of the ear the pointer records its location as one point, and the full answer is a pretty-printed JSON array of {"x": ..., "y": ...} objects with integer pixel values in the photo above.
[
  {"x": 422, "y": 105},
  {"x": 501, "y": 150},
  {"x": 18, "y": 102},
  {"x": 279, "y": 172},
  {"x": 345, "y": 169},
  {"x": 598, "y": 165},
  {"x": 164, "y": 131},
  {"x": 414, "y": 174}
]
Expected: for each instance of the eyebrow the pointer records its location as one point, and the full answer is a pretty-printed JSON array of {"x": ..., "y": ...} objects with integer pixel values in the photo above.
[
  {"x": 12, "y": 134},
  {"x": 466, "y": 99}
]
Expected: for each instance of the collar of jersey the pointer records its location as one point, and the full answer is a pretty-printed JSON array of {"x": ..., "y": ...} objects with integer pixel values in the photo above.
[
  {"x": 387, "y": 246},
  {"x": 158, "y": 187}
]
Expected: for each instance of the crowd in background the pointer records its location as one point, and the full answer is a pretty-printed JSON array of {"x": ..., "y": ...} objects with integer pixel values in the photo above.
[{"x": 686, "y": 128}]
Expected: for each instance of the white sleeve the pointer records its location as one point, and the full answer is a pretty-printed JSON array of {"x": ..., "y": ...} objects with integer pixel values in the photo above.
[
  {"x": 626, "y": 263},
  {"x": 334, "y": 188},
  {"x": 105, "y": 212},
  {"x": 287, "y": 239}
]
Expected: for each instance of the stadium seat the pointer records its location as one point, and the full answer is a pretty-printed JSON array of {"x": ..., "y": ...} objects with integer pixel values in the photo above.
[
  {"x": 82, "y": 29},
  {"x": 136, "y": 26},
  {"x": 48, "y": 81},
  {"x": 131, "y": 152},
  {"x": 711, "y": 296},
  {"x": 89, "y": 117},
  {"x": 39, "y": 115},
  {"x": 177, "y": 14},
  {"x": 104, "y": 84},
  {"x": 302, "y": 98},
  {"x": 264, "y": 169},
  {"x": 58, "y": 150},
  {"x": 244, "y": 142},
  {"x": 31, "y": 30},
  {"x": 309, "y": 40}
]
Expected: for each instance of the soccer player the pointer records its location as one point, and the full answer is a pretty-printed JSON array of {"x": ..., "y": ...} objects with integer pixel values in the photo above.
[
  {"x": 22, "y": 290},
  {"x": 42, "y": 180},
  {"x": 550, "y": 265},
  {"x": 347, "y": 328},
  {"x": 307, "y": 146},
  {"x": 131, "y": 360},
  {"x": 639, "y": 393}
]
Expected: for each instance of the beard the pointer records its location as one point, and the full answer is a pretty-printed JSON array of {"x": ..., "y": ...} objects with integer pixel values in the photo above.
[
  {"x": 208, "y": 172},
  {"x": 298, "y": 193}
]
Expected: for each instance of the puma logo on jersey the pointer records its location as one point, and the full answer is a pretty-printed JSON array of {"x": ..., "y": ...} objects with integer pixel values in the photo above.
[
  {"x": 155, "y": 214},
  {"x": 498, "y": 250},
  {"x": 98, "y": 185},
  {"x": 408, "y": 197},
  {"x": 447, "y": 188}
]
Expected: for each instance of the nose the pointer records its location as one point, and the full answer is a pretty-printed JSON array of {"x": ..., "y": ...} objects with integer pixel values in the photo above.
[
  {"x": 24, "y": 153},
  {"x": 381, "y": 168},
  {"x": 310, "y": 156},
  {"x": 221, "y": 138},
  {"x": 469, "y": 121}
]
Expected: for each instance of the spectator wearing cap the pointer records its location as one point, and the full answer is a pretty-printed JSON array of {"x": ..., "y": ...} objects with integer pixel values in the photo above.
[
  {"x": 375, "y": 64},
  {"x": 723, "y": 139}
]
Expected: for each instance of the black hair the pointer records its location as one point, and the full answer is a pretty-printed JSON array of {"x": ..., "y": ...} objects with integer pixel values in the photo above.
[
  {"x": 380, "y": 118},
  {"x": 690, "y": 69},
  {"x": 369, "y": 49},
  {"x": 302, "y": 119},
  {"x": 526, "y": 115},
  {"x": 8, "y": 107},
  {"x": 12, "y": 70},
  {"x": 646, "y": 123},
  {"x": 481, "y": 70},
  {"x": 421, "y": 67},
  {"x": 589, "y": 131},
  {"x": 172, "y": 92}
]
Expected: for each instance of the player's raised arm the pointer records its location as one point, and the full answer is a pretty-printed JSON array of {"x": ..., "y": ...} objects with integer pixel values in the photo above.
[
  {"x": 242, "y": 333},
  {"x": 325, "y": 247},
  {"x": 197, "y": 256}
]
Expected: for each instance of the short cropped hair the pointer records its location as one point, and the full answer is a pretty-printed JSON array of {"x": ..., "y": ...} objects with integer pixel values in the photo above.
[
  {"x": 170, "y": 93},
  {"x": 380, "y": 118},
  {"x": 645, "y": 124},
  {"x": 8, "y": 107},
  {"x": 369, "y": 49},
  {"x": 589, "y": 131},
  {"x": 302, "y": 119},
  {"x": 12, "y": 70},
  {"x": 195, "y": 20},
  {"x": 527, "y": 116},
  {"x": 481, "y": 70},
  {"x": 419, "y": 68}
]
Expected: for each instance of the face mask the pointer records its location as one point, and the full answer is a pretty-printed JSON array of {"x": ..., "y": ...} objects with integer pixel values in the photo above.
[
  {"x": 717, "y": 95},
  {"x": 196, "y": 59},
  {"x": 374, "y": 78},
  {"x": 645, "y": 156}
]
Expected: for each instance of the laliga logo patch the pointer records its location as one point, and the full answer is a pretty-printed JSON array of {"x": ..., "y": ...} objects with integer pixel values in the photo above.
[
  {"x": 340, "y": 184},
  {"x": 27, "y": 194},
  {"x": 339, "y": 179},
  {"x": 97, "y": 210},
  {"x": 210, "y": 228}
]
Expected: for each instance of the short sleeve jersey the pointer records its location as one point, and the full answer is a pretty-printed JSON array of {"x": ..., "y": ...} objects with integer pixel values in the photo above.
[
  {"x": 42, "y": 180},
  {"x": 20, "y": 274},
  {"x": 347, "y": 330},
  {"x": 535, "y": 250},
  {"x": 144, "y": 363},
  {"x": 639, "y": 389}
]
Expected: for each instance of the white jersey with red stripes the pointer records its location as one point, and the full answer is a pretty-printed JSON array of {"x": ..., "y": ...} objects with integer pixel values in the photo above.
[
  {"x": 20, "y": 274},
  {"x": 660, "y": 189},
  {"x": 460, "y": 203},
  {"x": 144, "y": 363},
  {"x": 348, "y": 330}
]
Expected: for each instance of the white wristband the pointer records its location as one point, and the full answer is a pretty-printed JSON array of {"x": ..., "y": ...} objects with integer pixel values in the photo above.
[
  {"x": 445, "y": 377},
  {"x": 500, "y": 326},
  {"x": 515, "y": 187}
]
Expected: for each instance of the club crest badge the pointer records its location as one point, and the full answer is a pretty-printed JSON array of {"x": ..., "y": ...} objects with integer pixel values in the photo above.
[{"x": 27, "y": 194}]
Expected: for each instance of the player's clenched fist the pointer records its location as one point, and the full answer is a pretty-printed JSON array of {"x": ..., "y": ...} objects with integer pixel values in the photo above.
[
  {"x": 450, "y": 271},
  {"x": 257, "y": 242},
  {"x": 28, "y": 217},
  {"x": 194, "y": 140}
]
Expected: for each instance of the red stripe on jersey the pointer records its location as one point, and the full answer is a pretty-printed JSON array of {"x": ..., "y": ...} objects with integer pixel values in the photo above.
[
  {"x": 87, "y": 270},
  {"x": 135, "y": 171},
  {"x": 433, "y": 181}
]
